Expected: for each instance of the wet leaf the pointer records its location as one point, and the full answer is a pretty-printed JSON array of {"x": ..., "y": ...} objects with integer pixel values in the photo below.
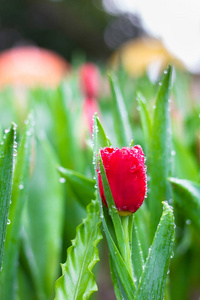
[
  {"x": 19, "y": 194},
  {"x": 43, "y": 220},
  {"x": 121, "y": 121},
  {"x": 78, "y": 281},
  {"x": 145, "y": 121},
  {"x": 6, "y": 178},
  {"x": 153, "y": 279},
  {"x": 186, "y": 196},
  {"x": 82, "y": 187},
  {"x": 160, "y": 153}
]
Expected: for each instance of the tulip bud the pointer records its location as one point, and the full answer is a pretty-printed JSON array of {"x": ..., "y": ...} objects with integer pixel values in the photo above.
[
  {"x": 90, "y": 107},
  {"x": 89, "y": 80},
  {"x": 126, "y": 173}
]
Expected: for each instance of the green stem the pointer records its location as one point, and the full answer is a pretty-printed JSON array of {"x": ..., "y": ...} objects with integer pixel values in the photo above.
[{"x": 126, "y": 228}]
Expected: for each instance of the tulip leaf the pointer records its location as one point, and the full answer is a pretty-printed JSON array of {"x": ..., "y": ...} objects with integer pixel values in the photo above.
[
  {"x": 78, "y": 281},
  {"x": 112, "y": 209},
  {"x": 118, "y": 287},
  {"x": 43, "y": 219},
  {"x": 153, "y": 279},
  {"x": 103, "y": 140},
  {"x": 141, "y": 222},
  {"x": 160, "y": 159},
  {"x": 187, "y": 197},
  {"x": 188, "y": 170},
  {"x": 145, "y": 121},
  {"x": 82, "y": 187},
  {"x": 122, "y": 125},
  {"x": 19, "y": 195},
  {"x": 120, "y": 265},
  {"x": 136, "y": 252},
  {"x": 6, "y": 177},
  {"x": 121, "y": 268},
  {"x": 63, "y": 127}
]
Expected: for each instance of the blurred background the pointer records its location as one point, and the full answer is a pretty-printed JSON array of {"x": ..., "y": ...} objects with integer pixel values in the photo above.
[{"x": 96, "y": 28}]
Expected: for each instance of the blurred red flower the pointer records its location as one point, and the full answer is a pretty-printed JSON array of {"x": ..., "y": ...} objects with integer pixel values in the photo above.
[
  {"x": 126, "y": 173},
  {"x": 90, "y": 80}
]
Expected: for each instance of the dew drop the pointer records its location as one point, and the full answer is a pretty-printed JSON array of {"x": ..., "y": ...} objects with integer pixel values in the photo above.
[
  {"x": 133, "y": 168},
  {"x": 62, "y": 180},
  {"x": 8, "y": 222},
  {"x": 107, "y": 167},
  {"x": 173, "y": 152},
  {"x": 21, "y": 186},
  {"x": 188, "y": 222}
]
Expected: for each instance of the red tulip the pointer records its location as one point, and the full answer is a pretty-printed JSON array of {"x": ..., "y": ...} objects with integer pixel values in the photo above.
[
  {"x": 126, "y": 173},
  {"x": 89, "y": 80}
]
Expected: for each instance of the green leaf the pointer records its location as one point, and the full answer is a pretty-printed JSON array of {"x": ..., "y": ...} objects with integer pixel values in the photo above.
[
  {"x": 160, "y": 160},
  {"x": 186, "y": 196},
  {"x": 82, "y": 187},
  {"x": 142, "y": 222},
  {"x": 122, "y": 126},
  {"x": 153, "y": 279},
  {"x": 19, "y": 195},
  {"x": 112, "y": 209},
  {"x": 64, "y": 126},
  {"x": 43, "y": 220},
  {"x": 145, "y": 121},
  {"x": 119, "y": 291},
  {"x": 78, "y": 281},
  {"x": 6, "y": 177},
  {"x": 103, "y": 140},
  {"x": 136, "y": 252},
  {"x": 188, "y": 169}
]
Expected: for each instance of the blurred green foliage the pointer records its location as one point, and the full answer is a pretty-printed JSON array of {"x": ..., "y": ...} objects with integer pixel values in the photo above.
[{"x": 52, "y": 209}]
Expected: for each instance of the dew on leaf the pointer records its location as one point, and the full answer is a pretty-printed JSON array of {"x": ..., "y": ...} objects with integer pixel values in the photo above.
[{"x": 62, "y": 180}]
